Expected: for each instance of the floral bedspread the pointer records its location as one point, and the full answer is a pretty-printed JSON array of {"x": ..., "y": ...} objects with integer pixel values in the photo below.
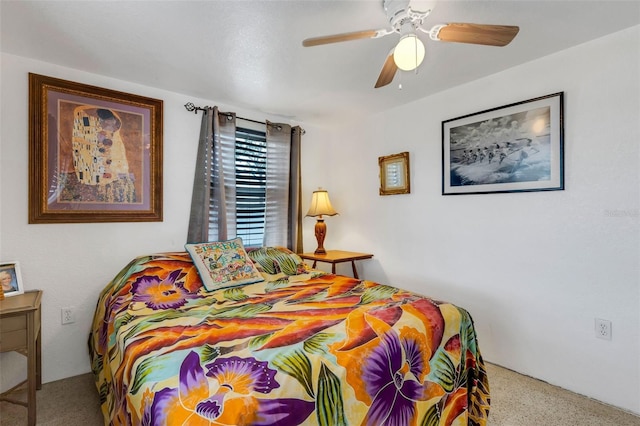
[{"x": 308, "y": 349}]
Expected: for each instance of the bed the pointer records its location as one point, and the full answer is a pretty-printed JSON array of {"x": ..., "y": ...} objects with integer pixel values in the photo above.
[{"x": 296, "y": 347}]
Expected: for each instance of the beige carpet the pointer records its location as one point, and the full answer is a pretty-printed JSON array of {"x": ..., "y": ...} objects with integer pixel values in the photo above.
[{"x": 516, "y": 400}]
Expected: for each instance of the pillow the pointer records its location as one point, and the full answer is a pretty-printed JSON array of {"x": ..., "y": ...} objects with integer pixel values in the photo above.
[
  {"x": 223, "y": 264},
  {"x": 275, "y": 260}
]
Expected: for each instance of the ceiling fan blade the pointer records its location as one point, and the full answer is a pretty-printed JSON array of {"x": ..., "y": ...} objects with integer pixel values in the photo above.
[
  {"x": 336, "y": 38},
  {"x": 490, "y": 35},
  {"x": 388, "y": 72}
]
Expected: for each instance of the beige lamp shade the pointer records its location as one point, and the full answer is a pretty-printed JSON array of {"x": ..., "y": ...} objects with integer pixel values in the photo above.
[{"x": 320, "y": 204}]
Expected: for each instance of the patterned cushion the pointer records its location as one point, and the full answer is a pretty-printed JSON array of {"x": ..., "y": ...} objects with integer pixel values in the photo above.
[
  {"x": 275, "y": 260},
  {"x": 223, "y": 264}
]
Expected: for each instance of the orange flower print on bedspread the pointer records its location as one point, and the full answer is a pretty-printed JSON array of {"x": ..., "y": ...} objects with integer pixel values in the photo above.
[
  {"x": 224, "y": 394},
  {"x": 390, "y": 371},
  {"x": 389, "y": 374},
  {"x": 157, "y": 293}
]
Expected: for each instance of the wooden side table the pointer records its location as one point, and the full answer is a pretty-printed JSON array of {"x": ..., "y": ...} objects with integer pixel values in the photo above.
[
  {"x": 337, "y": 256},
  {"x": 20, "y": 332}
]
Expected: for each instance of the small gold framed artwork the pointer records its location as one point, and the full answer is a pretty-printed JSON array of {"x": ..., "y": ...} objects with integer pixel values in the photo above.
[{"x": 394, "y": 174}]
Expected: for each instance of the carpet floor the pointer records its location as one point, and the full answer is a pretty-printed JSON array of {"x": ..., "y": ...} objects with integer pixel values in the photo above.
[{"x": 516, "y": 400}]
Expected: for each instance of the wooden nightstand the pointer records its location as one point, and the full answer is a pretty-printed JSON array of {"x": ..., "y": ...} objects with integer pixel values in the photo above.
[
  {"x": 337, "y": 256},
  {"x": 20, "y": 332}
]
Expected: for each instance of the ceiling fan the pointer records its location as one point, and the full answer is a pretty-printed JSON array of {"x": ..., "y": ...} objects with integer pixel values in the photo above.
[{"x": 406, "y": 18}]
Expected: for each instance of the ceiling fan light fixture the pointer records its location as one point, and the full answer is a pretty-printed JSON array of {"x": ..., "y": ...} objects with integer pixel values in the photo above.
[{"x": 409, "y": 53}]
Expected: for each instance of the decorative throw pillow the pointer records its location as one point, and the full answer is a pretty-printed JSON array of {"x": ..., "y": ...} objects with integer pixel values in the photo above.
[
  {"x": 275, "y": 260},
  {"x": 223, "y": 264}
]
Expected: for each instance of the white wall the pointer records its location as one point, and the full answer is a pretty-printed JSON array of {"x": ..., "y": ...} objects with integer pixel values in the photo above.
[
  {"x": 534, "y": 269},
  {"x": 72, "y": 263}
]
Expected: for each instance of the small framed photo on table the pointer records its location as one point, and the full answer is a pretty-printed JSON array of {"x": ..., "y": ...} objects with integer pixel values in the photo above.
[{"x": 10, "y": 279}]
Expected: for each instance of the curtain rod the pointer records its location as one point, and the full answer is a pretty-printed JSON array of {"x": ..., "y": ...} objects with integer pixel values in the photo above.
[{"x": 191, "y": 107}]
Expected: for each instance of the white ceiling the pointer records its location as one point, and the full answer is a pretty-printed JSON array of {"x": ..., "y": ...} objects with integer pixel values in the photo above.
[{"x": 249, "y": 54}]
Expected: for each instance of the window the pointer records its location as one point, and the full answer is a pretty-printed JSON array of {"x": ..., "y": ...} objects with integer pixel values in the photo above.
[
  {"x": 251, "y": 178},
  {"x": 242, "y": 185}
]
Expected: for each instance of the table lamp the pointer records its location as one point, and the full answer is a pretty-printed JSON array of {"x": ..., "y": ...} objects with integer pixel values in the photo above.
[{"x": 320, "y": 205}]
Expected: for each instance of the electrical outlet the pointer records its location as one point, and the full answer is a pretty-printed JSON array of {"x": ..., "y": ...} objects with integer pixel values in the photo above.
[
  {"x": 603, "y": 329},
  {"x": 68, "y": 316}
]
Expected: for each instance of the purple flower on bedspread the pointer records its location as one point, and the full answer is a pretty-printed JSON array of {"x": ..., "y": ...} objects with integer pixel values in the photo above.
[
  {"x": 157, "y": 293},
  {"x": 226, "y": 398},
  {"x": 392, "y": 377}
]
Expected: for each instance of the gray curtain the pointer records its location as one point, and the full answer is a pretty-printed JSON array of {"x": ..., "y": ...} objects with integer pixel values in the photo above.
[
  {"x": 283, "y": 213},
  {"x": 213, "y": 213},
  {"x": 294, "y": 241}
]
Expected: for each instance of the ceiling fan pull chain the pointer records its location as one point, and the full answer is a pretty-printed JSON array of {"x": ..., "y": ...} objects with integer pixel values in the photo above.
[{"x": 415, "y": 52}]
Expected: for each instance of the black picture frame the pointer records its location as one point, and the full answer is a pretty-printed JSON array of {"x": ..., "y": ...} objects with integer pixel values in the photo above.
[{"x": 513, "y": 148}]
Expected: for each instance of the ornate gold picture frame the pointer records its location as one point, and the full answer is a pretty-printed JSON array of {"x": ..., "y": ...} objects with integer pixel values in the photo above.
[
  {"x": 394, "y": 174},
  {"x": 95, "y": 155}
]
